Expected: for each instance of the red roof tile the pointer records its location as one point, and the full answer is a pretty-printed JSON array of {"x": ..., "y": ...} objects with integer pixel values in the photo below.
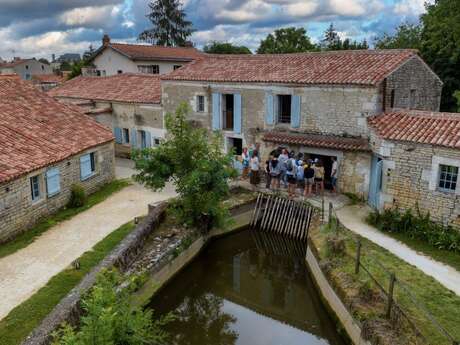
[
  {"x": 48, "y": 78},
  {"x": 152, "y": 52},
  {"x": 318, "y": 140},
  {"x": 14, "y": 63},
  {"x": 36, "y": 130},
  {"x": 126, "y": 87},
  {"x": 434, "y": 128},
  {"x": 359, "y": 67}
]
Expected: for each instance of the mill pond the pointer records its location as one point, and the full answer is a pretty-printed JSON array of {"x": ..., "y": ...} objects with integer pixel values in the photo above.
[{"x": 246, "y": 289}]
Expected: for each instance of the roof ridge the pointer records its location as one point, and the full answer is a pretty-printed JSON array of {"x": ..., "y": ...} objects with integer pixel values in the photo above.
[{"x": 149, "y": 45}]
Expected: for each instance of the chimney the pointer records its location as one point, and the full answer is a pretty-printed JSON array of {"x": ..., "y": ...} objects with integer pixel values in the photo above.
[{"x": 105, "y": 40}]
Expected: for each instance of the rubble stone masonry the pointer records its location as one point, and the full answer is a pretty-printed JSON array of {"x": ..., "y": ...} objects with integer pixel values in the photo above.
[{"x": 17, "y": 210}]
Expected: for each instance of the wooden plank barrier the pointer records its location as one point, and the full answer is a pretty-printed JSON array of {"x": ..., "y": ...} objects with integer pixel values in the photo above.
[{"x": 282, "y": 216}]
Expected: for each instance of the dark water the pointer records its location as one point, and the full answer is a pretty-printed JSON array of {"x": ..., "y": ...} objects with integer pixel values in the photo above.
[{"x": 246, "y": 290}]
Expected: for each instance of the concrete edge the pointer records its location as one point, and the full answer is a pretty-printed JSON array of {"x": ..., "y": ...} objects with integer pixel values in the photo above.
[{"x": 333, "y": 301}]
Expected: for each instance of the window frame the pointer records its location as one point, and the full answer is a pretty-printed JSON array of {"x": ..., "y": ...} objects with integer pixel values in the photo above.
[
  {"x": 176, "y": 67},
  {"x": 445, "y": 181},
  {"x": 125, "y": 136},
  {"x": 93, "y": 166},
  {"x": 282, "y": 119},
  {"x": 35, "y": 198},
  {"x": 200, "y": 106},
  {"x": 145, "y": 69}
]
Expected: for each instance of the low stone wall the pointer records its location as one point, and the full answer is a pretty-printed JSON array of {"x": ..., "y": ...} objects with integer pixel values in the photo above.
[{"x": 68, "y": 310}]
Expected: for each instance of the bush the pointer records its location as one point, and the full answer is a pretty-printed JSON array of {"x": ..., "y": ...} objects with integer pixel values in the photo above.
[
  {"x": 335, "y": 246},
  {"x": 77, "y": 196},
  {"x": 418, "y": 226}
]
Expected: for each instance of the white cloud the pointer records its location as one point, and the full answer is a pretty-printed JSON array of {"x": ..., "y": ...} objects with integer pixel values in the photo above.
[
  {"x": 301, "y": 9},
  {"x": 250, "y": 11},
  {"x": 410, "y": 7},
  {"x": 88, "y": 15}
]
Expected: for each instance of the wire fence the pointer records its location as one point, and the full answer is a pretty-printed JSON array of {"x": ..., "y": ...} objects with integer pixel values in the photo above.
[{"x": 387, "y": 281}]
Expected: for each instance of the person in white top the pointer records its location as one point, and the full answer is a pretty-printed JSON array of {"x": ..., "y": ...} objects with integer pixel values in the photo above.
[
  {"x": 334, "y": 175},
  {"x": 254, "y": 164}
]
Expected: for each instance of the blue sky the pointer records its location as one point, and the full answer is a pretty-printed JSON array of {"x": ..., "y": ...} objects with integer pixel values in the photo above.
[{"x": 36, "y": 28}]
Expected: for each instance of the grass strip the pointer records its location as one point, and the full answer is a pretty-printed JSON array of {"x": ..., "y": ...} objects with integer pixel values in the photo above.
[
  {"x": 28, "y": 315},
  {"x": 443, "y": 304},
  {"x": 63, "y": 214}
]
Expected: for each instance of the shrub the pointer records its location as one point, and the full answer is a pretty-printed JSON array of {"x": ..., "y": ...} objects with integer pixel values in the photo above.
[
  {"x": 77, "y": 196},
  {"x": 335, "y": 246},
  {"x": 418, "y": 226}
]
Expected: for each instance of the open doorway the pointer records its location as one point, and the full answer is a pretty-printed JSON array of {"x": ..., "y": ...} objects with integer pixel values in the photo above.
[
  {"x": 227, "y": 112},
  {"x": 326, "y": 161},
  {"x": 235, "y": 144}
]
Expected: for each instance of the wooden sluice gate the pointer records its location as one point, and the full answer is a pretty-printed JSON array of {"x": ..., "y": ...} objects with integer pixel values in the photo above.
[{"x": 282, "y": 216}]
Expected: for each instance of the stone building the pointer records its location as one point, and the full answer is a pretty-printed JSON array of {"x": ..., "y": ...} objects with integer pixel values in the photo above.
[
  {"x": 46, "y": 147},
  {"x": 116, "y": 58},
  {"x": 129, "y": 104},
  {"x": 25, "y": 68},
  {"x": 416, "y": 163},
  {"x": 315, "y": 103}
]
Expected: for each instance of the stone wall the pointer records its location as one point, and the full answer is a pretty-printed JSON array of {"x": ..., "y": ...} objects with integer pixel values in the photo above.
[
  {"x": 17, "y": 210},
  {"x": 417, "y": 76},
  {"x": 410, "y": 179}
]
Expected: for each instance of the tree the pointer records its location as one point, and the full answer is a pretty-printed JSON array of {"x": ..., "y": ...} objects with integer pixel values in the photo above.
[
  {"x": 457, "y": 97},
  {"x": 109, "y": 318},
  {"x": 170, "y": 27},
  {"x": 89, "y": 53},
  {"x": 286, "y": 40},
  {"x": 216, "y": 47},
  {"x": 45, "y": 61},
  {"x": 194, "y": 161},
  {"x": 407, "y": 36},
  {"x": 441, "y": 46},
  {"x": 332, "y": 41}
]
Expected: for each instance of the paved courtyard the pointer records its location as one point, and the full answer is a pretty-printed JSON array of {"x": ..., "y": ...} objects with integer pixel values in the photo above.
[{"x": 27, "y": 270}]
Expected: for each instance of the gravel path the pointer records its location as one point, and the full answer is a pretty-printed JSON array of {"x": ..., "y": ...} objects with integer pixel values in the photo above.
[{"x": 27, "y": 270}]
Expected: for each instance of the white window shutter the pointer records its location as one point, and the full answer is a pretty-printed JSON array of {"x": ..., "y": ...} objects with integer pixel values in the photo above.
[
  {"x": 53, "y": 181},
  {"x": 295, "y": 111},
  {"x": 216, "y": 111},
  {"x": 85, "y": 167},
  {"x": 269, "y": 118},
  {"x": 237, "y": 118}
]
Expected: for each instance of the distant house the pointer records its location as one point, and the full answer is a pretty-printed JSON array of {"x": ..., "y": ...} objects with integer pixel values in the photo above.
[
  {"x": 46, "y": 146},
  {"x": 25, "y": 68},
  {"x": 69, "y": 57},
  {"x": 47, "y": 81},
  {"x": 116, "y": 58},
  {"x": 128, "y": 104}
]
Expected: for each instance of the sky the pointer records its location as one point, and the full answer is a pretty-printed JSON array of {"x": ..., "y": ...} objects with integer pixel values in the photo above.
[{"x": 39, "y": 28}]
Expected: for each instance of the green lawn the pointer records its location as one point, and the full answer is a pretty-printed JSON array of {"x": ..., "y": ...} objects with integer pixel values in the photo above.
[
  {"x": 25, "y": 317},
  {"x": 30, "y": 235},
  {"x": 445, "y": 256},
  {"x": 442, "y": 303}
]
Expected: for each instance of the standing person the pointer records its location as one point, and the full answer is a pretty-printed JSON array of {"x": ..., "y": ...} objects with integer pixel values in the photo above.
[
  {"x": 283, "y": 158},
  {"x": 254, "y": 164},
  {"x": 309, "y": 176},
  {"x": 275, "y": 172},
  {"x": 334, "y": 174},
  {"x": 268, "y": 176},
  {"x": 291, "y": 173},
  {"x": 319, "y": 177},
  {"x": 300, "y": 173},
  {"x": 245, "y": 161}
]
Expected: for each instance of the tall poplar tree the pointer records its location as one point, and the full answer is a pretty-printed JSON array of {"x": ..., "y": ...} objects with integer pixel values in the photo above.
[{"x": 170, "y": 26}]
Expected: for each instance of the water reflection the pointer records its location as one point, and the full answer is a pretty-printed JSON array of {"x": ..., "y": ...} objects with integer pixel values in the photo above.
[{"x": 246, "y": 290}]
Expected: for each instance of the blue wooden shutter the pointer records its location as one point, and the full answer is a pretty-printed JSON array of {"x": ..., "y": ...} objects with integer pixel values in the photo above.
[
  {"x": 133, "y": 138},
  {"x": 269, "y": 118},
  {"x": 148, "y": 139},
  {"x": 237, "y": 113},
  {"x": 118, "y": 135},
  {"x": 85, "y": 167},
  {"x": 53, "y": 181},
  {"x": 216, "y": 97},
  {"x": 295, "y": 111}
]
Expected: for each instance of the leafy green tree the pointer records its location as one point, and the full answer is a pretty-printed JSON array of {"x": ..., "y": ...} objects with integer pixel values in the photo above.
[
  {"x": 170, "y": 26},
  {"x": 45, "y": 61},
  {"x": 110, "y": 319},
  {"x": 286, "y": 40},
  {"x": 441, "y": 46},
  {"x": 407, "y": 36},
  {"x": 194, "y": 161},
  {"x": 216, "y": 47},
  {"x": 457, "y": 97},
  {"x": 332, "y": 41},
  {"x": 89, "y": 53}
]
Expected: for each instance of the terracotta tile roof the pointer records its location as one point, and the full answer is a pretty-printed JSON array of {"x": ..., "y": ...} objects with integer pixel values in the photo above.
[
  {"x": 14, "y": 63},
  {"x": 434, "y": 128},
  {"x": 318, "y": 140},
  {"x": 48, "y": 78},
  {"x": 358, "y": 67},
  {"x": 36, "y": 130},
  {"x": 126, "y": 87},
  {"x": 152, "y": 52}
]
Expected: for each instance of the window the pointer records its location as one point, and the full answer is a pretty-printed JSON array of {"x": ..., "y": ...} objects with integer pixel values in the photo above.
[
  {"x": 125, "y": 135},
  {"x": 87, "y": 166},
  {"x": 200, "y": 103},
  {"x": 157, "y": 141},
  {"x": 53, "y": 181},
  {"x": 149, "y": 69},
  {"x": 27, "y": 66},
  {"x": 27, "y": 76},
  {"x": 176, "y": 67},
  {"x": 143, "y": 139},
  {"x": 392, "y": 98},
  {"x": 120, "y": 71},
  {"x": 35, "y": 187},
  {"x": 448, "y": 177},
  {"x": 412, "y": 99},
  {"x": 43, "y": 68},
  {"x": 284, "y": 108}
]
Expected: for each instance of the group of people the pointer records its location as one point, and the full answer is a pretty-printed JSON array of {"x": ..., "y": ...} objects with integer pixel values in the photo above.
[{"x": 289, "y": 170}]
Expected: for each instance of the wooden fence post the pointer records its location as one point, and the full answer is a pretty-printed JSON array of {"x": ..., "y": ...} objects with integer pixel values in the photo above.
[
  {"x": 330, "y": 214},
  {"x": 322, "y": 211},
  {"x": 390, "y": 294},
  {"x": 358, "y": 256}
]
